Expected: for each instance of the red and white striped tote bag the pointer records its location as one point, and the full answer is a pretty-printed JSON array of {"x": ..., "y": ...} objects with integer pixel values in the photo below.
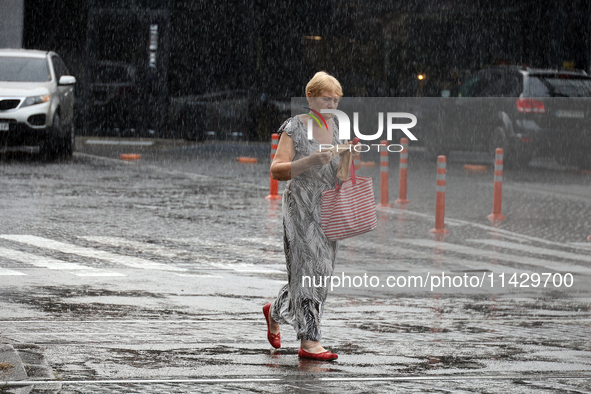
[{"x": 349, "y": 209}]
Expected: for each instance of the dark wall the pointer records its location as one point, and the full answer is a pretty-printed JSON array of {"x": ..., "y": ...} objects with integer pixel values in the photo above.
[
  {"x": 373, "y": 47},
  {"x": 60, "y": 26},
  {"x": 211, "y": 46}
]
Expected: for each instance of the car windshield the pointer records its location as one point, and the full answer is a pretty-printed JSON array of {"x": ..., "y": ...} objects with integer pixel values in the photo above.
[
  {"x": 24, "y": 69},
  {"x": 113, "y": 73},
  {"x": 560, "y": 86}
]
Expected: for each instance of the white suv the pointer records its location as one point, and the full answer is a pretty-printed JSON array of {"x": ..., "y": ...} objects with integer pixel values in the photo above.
[{"x": 36, "y": 102}]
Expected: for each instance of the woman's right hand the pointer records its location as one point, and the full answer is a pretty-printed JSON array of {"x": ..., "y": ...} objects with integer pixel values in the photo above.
[
  {"x": 282, "y": 167},
  {"x": 320, "y": 157}
]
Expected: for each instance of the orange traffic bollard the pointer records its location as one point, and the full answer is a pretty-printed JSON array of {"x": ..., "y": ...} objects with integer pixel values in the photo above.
[
  {"x": 403, "y": 173},
  {"x": 475, "y": 168},
  {"x": 245, "y": 159},
  {"x": 496, "y": 216},
  {"x": 440, "y": 197},
  {"x": 130, "y": 156},
  {"x": 273, "y": 184},
  {"x": 384, "y": 166}
]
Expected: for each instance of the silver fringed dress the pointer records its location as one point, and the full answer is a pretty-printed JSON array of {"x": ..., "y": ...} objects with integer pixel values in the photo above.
[{"x": 308, "y": 253}]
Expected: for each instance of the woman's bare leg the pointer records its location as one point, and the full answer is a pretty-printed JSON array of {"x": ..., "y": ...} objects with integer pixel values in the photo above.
[
  {"x": 312, "y": 346},
  {"x": 273, "y": 325}
]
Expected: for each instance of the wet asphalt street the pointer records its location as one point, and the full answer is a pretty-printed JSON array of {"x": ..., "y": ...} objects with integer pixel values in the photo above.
[{"x": 149, "y": 277}]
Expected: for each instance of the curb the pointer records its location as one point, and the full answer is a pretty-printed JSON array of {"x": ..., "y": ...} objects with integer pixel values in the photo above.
[
  {"x": 11, "y": 366},
  {"x": 25, "y": 362}
]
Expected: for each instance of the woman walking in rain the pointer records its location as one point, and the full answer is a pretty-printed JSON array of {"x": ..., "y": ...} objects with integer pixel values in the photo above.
[{"x": 308, "y": 252}]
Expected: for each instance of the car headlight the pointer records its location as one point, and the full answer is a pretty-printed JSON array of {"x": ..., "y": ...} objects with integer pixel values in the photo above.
[{"x": 34, "y": 100}]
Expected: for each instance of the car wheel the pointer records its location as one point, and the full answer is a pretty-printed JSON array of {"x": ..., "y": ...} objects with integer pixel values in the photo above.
[
  {"x": 49, "y": 149},
  {"x": 190, "y": 134},
  {"x": 69, "y": 143},
  {"x": 194, "y": 133},
  {"x": 522, "y": 159},
  {"x": 192, "y": 126},
  {"x": 498, "y": 140},
  {"x": 512, "y": 158}
]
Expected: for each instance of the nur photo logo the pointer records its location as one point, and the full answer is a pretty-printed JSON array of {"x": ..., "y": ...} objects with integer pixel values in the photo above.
[{"x": 345, "y": 128}]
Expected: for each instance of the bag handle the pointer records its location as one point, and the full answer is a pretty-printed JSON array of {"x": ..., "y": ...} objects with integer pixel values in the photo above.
[
  {"x": 353, "y": 177},
  {"x": 352, "y": 170}
]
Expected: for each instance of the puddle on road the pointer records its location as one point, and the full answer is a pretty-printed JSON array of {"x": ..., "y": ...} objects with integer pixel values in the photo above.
[
  {"x": 455, "y": 362},
  {"x": 153, "y": 359},
  {"x": 540, "y": 307},
  {"x": 395, "y": 328},
  {"x": 56, "y": 300},
  {"x": 85, "y": 291}
]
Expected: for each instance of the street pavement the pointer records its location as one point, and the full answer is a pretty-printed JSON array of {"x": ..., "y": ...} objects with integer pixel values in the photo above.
[{"x": 150, "y": 275}]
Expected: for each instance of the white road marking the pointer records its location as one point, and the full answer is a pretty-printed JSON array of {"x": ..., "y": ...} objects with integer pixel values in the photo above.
[
  {"x": 7, "y": 272},
  {"x": 584, "y": 245},
  {"x": 100, "y": 273},
  {"x": 198, "y": 275},
  {"x": 39, "y": 261},
  {"x": 413, "y": 213},
  {"x": 496, "y": 231},
  {"x": 119, "y": 142},
  {"x": 358, "y": 247},
  {"x": 517, "y": 237},
  {"x": 533, "y": 249},
  {"x": 274, "y": 243},
  {"x": 128, "y": 261},
  {"x": 141, "y": 246},
  {"x": 210, "y": 260},
  {"x": 53, "y": 264},
  {"x": 562, "y": 267},
  {"x": 247, "y": 267}
]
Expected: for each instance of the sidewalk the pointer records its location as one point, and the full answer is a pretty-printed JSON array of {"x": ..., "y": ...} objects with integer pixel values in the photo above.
[{"x": 23, "y": 365}]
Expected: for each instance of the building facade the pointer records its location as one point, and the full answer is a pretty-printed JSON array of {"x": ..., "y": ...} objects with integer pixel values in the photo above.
[{"x": 168, "y": 49}]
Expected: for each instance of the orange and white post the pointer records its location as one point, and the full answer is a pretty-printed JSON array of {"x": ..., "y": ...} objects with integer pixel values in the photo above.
[
  {"x": 384, "y": 167},
  {"x": 440, "y": 196},
  {"x": 496, "y": 216},
  {"x": 274, "y": 184},
  {"x": 403, "y": 169}
]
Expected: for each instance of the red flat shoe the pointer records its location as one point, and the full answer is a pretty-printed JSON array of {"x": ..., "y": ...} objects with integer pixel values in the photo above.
[
  {"x": 274, "y": 339},
  {"x": 324, "y": 356}
]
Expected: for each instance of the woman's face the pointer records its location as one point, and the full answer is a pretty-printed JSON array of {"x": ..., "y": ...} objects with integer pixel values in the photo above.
[{"x": 326, "y": 100}]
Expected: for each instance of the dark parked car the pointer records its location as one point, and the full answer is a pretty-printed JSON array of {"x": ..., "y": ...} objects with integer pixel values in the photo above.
[
  {"x": 227, "y": 115},
  {"x": 113, "y": 104},
  {"x": 522, "y": 110}
]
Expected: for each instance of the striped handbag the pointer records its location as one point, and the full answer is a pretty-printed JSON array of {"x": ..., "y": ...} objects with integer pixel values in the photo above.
[{"x": 349, "y": 209}]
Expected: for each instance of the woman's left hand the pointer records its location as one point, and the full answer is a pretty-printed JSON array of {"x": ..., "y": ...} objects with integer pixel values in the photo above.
[{"x": 354, "y": 153}]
